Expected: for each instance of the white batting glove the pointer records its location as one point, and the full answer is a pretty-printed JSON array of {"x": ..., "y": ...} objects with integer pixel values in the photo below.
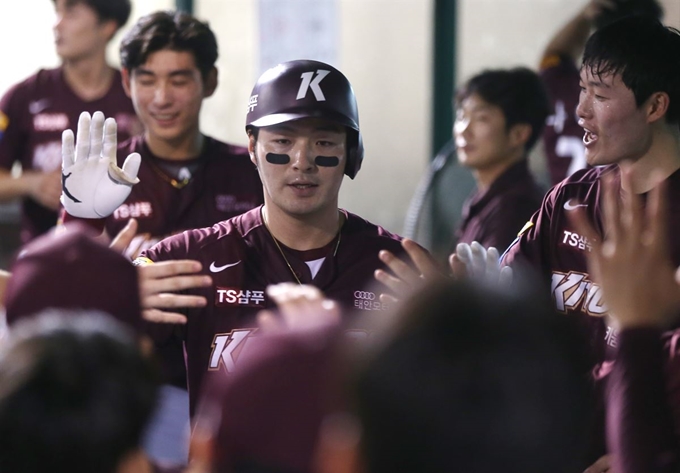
[
  {"x": 93, "y": 185},
  {"x": 484, "y": 265}
]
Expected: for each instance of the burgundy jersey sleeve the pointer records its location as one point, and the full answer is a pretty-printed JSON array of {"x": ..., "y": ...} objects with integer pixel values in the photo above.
[
  {"x": 12, "y": 130},
  {"x": 643, "y": 405}
]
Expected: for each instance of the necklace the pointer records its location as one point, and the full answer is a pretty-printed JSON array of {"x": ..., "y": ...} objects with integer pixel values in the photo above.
[
  {"x": 172, "y": 181},
  {"x": 283, "y": 255}
]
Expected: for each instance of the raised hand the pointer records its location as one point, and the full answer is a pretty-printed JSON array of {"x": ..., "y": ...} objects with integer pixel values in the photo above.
[
  {"x": 93, "y": 185},
  {"x": 476, "y": 262},
  {"x": 632, "y": 264},
  {"x": 300, "y": 307}
]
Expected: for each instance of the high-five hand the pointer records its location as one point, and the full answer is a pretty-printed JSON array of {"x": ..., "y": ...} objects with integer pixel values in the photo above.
[{"x": 93, "y": 185}]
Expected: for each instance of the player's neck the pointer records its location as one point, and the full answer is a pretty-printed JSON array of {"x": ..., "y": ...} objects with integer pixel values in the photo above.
[
  {"x": 90, "y": 77},
  {"x": 303, "y": 233},
  {"x": 486, "y": 176},
  {"x": 660, "y": 161},
  {"x": 182, "y": 148}
]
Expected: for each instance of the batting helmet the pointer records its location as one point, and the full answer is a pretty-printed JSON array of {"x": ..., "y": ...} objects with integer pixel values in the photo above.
[{"x": 302, "y": 89}]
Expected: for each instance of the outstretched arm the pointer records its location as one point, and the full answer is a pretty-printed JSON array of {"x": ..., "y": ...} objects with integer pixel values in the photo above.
[{"x": 571, "y": 38}]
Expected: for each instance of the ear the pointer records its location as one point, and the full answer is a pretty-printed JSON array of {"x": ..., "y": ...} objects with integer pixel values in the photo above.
[
  {"x": 126, "y": 81},
  {"x": 657, "y": 106},
  {"x": 210, "y": 83},
  {"x": 520, "y": 134},
  {"x": 251, "y": 148},
  {"x": 108, "y": 28}
]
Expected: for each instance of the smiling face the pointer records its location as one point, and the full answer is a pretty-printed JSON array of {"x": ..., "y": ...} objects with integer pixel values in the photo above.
[
  {"x": 615, "y": 128},
  {"x": 167, "y": 92},
  {"x": 302, "y": 185},
  {"x": 78, "y": 32}
]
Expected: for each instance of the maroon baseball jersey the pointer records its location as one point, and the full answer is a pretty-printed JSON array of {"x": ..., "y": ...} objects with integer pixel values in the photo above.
[
  {"x": 550, "y": 245},
  {"x": 33, "y": 115},
  {"x": 222, "y": 183},
  {"x": 242, "y": 258},
  {"x": 562, "y": 136},
  {"x": 494, "y": 217}
]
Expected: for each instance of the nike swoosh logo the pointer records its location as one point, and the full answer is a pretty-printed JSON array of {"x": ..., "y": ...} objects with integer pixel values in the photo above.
[
  {"x": 217, "y": 269},
  {"x": 38, "y": 106},
  {"x": 569, "y": 206}
]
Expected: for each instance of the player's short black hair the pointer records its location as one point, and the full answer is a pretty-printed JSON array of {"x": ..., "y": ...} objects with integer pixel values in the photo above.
[
  {"x": 476, "y": 381},
  {"x": 519, "y": 93},
  {"x": 116, "y": 10},
  {"x": 177, "y": 31},
  {"x": 624, "y": 8},
  {"x": 644, "y": 53},
  {"x": 76, "y": 394}
]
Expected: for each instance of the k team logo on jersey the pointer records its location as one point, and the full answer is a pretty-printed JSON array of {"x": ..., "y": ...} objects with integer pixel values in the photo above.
[
  {"x": 227, "y": 348},
  {"x": 573, "y": 291},
  {"x": 576, "y": 241},
  {"x": 236, "y": 297},
  {"x": 366, "y": 300},
  {"x": 50, "y": 122}
]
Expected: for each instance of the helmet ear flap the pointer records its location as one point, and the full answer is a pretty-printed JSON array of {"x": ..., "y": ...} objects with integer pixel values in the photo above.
[{"x": 355, "y": 153}]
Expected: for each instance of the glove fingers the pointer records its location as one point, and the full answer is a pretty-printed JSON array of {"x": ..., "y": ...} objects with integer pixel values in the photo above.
[
  {"x": 83, "y": 137},
  {"x": 110, "y": 140},
  {"x": 492, "y": 264},
  {"x": 478, "y": 258},
  {"x": 464, "y": 254},
  {"x": 505, "y": 279},
  {"x": 67, "y": 149},
  {"x": 96, "y": 135}
]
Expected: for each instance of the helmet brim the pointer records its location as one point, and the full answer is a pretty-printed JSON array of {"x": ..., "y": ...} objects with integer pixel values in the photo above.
[{"x": 278, "y": 118}]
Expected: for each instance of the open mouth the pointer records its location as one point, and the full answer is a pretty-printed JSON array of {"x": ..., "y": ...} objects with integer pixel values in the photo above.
[{"x": 589, "y": 137}]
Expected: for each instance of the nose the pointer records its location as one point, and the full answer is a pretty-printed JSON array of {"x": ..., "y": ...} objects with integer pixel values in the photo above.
[
  {"x": 57, "y": 22},
  {"x": 583, "y": 109},
  {"x": 301, "y": 156},
  {"x": 162, "y": 94},
  {"x": 461, "y": 125}
]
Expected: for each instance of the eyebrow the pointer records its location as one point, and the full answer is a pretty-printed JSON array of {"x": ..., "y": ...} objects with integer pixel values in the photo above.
[
  {"x": 176, "y": 73},
  {"x": 595, "y": 83}
]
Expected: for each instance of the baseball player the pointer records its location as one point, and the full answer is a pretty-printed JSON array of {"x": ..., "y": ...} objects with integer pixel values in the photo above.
[
  {"x": 34, "y": 112},
  {"x": 500, "y": 116},
  {"x": 189, "y": 180},
  {"x": 304, "y": 136},
  {"x": 564, "y": 150}
]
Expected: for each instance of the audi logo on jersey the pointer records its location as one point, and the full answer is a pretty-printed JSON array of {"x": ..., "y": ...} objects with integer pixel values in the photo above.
[{"x": 365, "y": 295}]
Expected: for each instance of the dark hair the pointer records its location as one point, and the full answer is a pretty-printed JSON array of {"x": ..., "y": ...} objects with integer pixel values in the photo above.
[
  {"x": 477, "y": 381},
  {"x": 644, "y": 53},
  {"x": 518, "y": 92},
  {"x": 177, "y": 31},
  {"x": 624, "y": 8},
  {"x": 75, "y": 394},
  {"x": 116, "y": 10}
]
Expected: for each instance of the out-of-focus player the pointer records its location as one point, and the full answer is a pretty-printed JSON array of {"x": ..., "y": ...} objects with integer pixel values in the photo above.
[
  {"x": 303, "y": 128},
  {"x": 34, "y": 112},
  {"x": 564, "y": 149},
  {"x": 188, "y": 179},
  {"x": 500, "y": 115}
]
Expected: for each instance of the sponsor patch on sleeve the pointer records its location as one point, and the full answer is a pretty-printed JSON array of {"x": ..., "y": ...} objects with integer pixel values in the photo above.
[
  {"x": 4, "y": 123},
  {"x": 526, "y": 227},
  {"x": 141, "y": 261}
]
